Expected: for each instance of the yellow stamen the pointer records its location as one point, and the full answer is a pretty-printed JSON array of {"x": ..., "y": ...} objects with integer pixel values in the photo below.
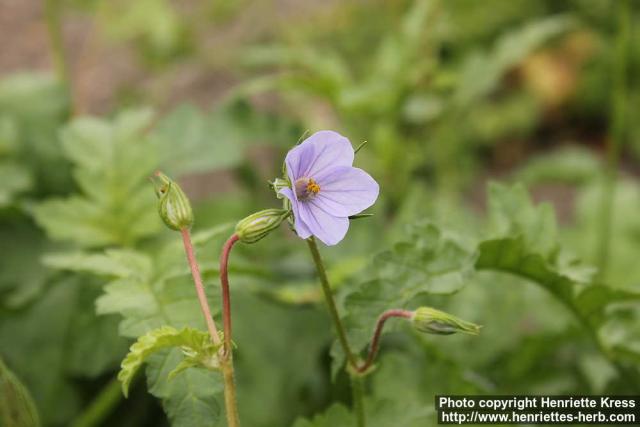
[{"x": 312, "y": 186}]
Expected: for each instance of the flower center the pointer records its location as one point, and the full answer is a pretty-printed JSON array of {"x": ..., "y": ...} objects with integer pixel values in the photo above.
[{"x": 306, "y": 188}]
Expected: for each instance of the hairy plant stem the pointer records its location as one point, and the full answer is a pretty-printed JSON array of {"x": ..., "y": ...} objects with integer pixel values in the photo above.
[
  {"x": 615, "y": 141},
  {"x": 226, "y": 362},
  {"x": 375, "y": 340},
  {"x": 357, "y": 391},
  {"x": 226, "y": 295},
  {"x": 231, "y": 401},
  {"x": 197, "y": 280},
  {"x": 356, "y": 381},
  {"x": 101, "y": 407},
  {"x": 230, "y": 397}
]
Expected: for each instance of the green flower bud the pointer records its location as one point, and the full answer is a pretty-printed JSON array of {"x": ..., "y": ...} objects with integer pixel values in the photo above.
[
  {"x": 432, "y": 321},
  {"x": 258, "y": 225},
  {"x": 173, "y": 204}
]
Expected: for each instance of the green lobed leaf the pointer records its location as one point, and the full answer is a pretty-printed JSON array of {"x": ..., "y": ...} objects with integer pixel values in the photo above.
[
  {"x": 529, "y": 249},
  {"x": 512, "y": 255},
  {"x": 429, "y": 262},
  {"x": 593, "y": 301},
  {"x": 148, "y": 302},
  {"x": 192, "y": 399},
  {"x": 112, "y": 161},
  {"x": 153, "y": 290},
  {"x": 512, "y": 214},
  {"x": 195, "y": 345},
  {"x": 524, "y": 243},
  {"x": 159, "y": 292}
]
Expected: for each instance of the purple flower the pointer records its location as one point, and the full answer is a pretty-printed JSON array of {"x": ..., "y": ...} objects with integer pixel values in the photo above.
[{"x": 326, "y": 188}]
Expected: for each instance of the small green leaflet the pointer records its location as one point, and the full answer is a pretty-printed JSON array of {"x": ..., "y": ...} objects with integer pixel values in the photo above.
[{"x": 196, "y": 347}]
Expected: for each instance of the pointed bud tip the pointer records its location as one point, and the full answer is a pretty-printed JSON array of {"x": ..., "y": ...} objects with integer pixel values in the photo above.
[
  {"x": 173, "y": 205},
  {"x": 432, "y": 321},
  {"x": 258, "y": 225}
]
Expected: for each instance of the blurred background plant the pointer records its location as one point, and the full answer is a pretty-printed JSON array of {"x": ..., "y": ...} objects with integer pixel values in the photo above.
[{"x": 96, "y": 94}]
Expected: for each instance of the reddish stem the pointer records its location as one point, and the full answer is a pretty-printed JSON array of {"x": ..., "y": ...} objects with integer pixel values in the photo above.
[
  {"x": 197, "y": 280},
  {"x": 375, "y": 340},
  {"x": 226, "y": 295}
]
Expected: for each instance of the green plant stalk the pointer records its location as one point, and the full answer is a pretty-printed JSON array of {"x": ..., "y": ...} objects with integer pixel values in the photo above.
[
  {"x": 101, "y": 407},
  {"x": 356, "y": 382},
  {"x": 616, "y": 139},
  {"x": 53, "y": 12},
  {"x": 230, "y": 397},
  {"x": 197, "y": 280},
  {"x": 374, "y": 345},
  {"x": 357, "y": 390}
]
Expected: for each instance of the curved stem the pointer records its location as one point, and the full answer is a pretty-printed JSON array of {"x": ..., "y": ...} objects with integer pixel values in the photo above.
[
  {"x": 226, "y": 295},
  {"x": 356, "y": 382},
  {"x": 374, "y": 346},
  {"x": 226, "y": 362},
  {"x": 230, "y": 399},
  {"x": 197, "y": 280}
]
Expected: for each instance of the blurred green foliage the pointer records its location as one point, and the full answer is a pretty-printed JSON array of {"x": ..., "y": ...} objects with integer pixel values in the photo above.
[{"x": 448, "y": 94}]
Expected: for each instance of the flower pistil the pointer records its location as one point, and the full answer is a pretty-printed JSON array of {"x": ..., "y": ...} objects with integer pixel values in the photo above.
[{"x": 306, "y": 188}]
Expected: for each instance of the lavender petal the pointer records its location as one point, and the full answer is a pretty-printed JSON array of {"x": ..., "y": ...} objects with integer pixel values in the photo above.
[
  {"x": 301, "y": 228},
  {"x": 329, "y": 229},
  {"x": 322, "y": 150},
  {"x": 345, "y": 191}
]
